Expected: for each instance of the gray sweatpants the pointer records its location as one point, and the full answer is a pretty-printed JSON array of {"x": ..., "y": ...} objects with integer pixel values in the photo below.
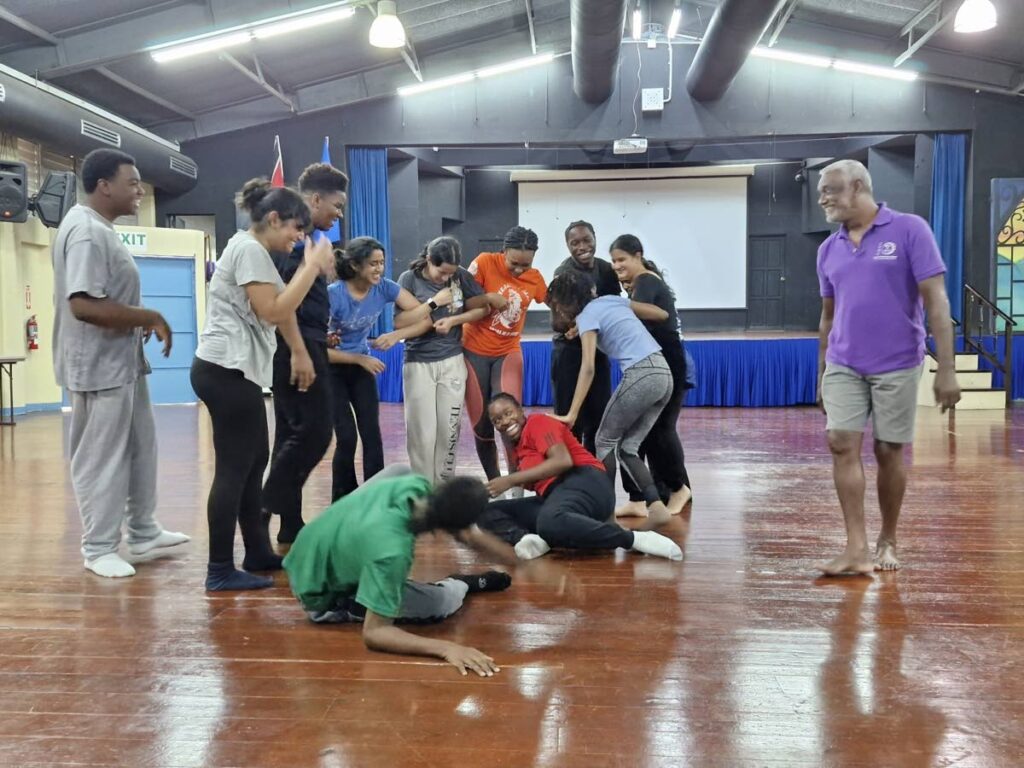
[
  {"x": 421, "y": 602},
  {"x": 637, "y": 402},
  {"x": 434, "y": 393},
  {"x": 113, "y": 466}
]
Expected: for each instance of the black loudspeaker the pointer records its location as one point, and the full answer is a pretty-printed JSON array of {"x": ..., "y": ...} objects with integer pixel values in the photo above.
[
  {"x": 13, "y": 192},
  {"x": 56, "y": 197}
]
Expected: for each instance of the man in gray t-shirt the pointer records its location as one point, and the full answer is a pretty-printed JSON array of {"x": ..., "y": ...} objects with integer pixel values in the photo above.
[{"x": 99, "y": 330}]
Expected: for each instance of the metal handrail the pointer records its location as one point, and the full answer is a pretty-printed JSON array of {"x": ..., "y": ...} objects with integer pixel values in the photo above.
[
  {"x": 968, "y": 289},
  {"x": 972, "y": 296}
]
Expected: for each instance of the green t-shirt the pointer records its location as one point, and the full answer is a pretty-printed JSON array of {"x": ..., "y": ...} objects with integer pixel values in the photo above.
[{"x": 360, "y": 546}]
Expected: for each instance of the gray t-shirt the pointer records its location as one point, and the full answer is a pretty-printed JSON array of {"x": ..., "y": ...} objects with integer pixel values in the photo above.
[
  {"x": 89, "y": 258},
  {"x": 234, "y": 337},
  {"x": 432, "y": 346}
]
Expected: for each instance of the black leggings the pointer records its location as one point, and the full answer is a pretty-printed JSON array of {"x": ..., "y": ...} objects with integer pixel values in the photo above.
[
  {"x": 302, "y": 431},
  {"x": 241, "y": 448},
  {"x": 353, "y": 388},
  {"x": 566, "y": 359},
  {"x": 574, "y": 513},
  {"x": 662, "y": 449},
  {"x": 485, "y": 377}
]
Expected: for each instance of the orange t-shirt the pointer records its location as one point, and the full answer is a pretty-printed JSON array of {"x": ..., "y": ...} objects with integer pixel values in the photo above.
[{"x": 498, "y": 333}]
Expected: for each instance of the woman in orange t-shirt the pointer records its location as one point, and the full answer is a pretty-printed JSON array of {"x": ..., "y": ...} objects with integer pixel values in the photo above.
[{"x": 494, "y": 358}]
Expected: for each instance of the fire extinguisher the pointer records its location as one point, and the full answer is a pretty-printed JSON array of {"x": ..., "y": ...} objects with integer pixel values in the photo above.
[{"x": 32, "y": 333}]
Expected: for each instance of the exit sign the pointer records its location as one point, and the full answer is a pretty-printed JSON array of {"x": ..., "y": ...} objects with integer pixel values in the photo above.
[{"x": 134, "y": 241}]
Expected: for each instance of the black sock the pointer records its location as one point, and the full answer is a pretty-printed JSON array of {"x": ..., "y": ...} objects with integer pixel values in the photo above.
[
  {"x": 289, "y": 530},
  {"x": 492, "y": 581},
  {"x": 262, "y": 561}
]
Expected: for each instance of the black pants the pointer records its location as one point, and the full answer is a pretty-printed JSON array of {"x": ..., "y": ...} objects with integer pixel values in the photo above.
[
  {"x": 566, "y": 359},
  {"x": 302, "y": 432},
  {"x": 353, "y": 388},
  {"x": 662, "y": 449},
  {"x": 241, "y": 449},
  {"x": 574, "y": 513}
]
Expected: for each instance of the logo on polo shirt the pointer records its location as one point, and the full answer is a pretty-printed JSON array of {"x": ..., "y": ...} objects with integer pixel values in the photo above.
[{"x": 886, "y": 251}]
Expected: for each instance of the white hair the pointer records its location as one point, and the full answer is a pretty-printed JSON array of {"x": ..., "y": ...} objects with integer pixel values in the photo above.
[{"x": 851, "y": 170}]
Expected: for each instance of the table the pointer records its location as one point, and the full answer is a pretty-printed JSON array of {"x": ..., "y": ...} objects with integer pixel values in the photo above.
[{"x": 7, "y": 370}]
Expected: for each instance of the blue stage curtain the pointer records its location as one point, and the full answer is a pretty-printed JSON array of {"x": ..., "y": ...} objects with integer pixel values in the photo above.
[
  {"x": 368, "y": 210},
  {"x": 730, "y": 372},
  {"x": 948, "y": 209}
]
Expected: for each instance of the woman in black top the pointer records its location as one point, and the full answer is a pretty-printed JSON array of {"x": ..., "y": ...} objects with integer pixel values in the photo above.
[{"x": 662, "y": 448}]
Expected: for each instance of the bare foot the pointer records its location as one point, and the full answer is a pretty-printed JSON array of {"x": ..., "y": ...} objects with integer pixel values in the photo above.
[
  {"x": 657, "y": 516},
  {"x": 849, "y": 563},
  {"x": 678, "y": 500},
  {"x": 885, "y": 556},
  {"x": 632, "y": 509}
]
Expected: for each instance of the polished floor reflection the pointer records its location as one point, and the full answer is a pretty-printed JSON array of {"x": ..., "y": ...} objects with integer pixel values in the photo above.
[{"x": 740, "y": 656}]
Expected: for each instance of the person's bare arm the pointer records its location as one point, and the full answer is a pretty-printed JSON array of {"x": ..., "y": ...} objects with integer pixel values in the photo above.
[
  {"x": 445, "y": 324},
  {"x": 412, "y": 312},
  {"x": 488, "y": 544},
  {"x": 650, "y": 312},
  {"x": 368, "y": 362},
  {"x": 936, "y": 304},
  {"x": 106, "y": 313},
  {"x": 380, "y": 634},
  {"x": 586, "y": 377},
  {"x": 828, "y": 308},
  {"x": 557, "y": 461},
  {"x": 273, "y": 307},
  {"x": 303, "y": 373}
]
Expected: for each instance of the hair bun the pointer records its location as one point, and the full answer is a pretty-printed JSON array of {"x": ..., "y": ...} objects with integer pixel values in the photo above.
[{"x": 252, "y": 193}]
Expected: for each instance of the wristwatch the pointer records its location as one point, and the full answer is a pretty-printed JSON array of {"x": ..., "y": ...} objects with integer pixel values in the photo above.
[{"x": 432, "y": 304}]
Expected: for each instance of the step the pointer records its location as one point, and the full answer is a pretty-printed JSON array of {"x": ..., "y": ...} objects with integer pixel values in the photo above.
[
  {"x": 982, "y": 400},
  {"x": 961, "y": 362},
  {"x": 966, "y": 379}
]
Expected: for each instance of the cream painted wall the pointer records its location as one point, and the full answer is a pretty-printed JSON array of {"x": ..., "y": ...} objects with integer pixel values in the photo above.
[{"x": 26, "y": 288}]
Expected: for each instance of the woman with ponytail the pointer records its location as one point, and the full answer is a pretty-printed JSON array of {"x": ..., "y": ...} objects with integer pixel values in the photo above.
[
  {"x": 234, "y": 363},
  {"x": 434, "y": 375},
  {"x": 357, "y": 300},
  {"x": 662, "y": 449}
]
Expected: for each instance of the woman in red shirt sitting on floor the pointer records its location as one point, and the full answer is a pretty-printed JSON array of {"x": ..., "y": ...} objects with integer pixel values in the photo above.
[{"x": 575, "y": 497}]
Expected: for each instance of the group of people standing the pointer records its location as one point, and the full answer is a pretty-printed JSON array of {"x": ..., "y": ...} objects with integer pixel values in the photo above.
[{"x": 294, "y": 313}]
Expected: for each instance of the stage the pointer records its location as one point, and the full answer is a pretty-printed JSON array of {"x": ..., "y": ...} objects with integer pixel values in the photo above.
[{"x": 753, "y": 370}]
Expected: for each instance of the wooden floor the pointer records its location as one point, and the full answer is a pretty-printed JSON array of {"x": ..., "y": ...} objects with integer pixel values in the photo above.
[{"x": 738, "y": 657}]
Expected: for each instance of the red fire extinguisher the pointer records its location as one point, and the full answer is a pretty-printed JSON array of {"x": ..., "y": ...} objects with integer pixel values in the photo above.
[{"x": 32, "y": 333}]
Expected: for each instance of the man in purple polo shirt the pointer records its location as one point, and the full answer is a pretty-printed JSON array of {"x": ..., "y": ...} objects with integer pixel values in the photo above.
[{"x": 874, "y": 273}]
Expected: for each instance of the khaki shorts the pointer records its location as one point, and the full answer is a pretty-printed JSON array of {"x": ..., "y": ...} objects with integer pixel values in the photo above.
[{"x": 890, "y": 399}]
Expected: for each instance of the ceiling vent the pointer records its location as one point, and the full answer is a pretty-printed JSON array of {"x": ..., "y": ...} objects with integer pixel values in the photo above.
[
  {"x": 99, "y": 133},
  {"x": 184, "y": 167}
]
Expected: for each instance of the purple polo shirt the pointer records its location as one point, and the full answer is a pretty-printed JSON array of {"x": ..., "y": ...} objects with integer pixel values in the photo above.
[{"x": 878, "y": 325}]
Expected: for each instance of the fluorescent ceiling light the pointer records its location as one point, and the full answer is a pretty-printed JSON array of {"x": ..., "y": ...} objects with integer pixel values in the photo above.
[
  {"x": 218, "y": 43},
  {"x": 796, "y": 58},
  {"x": 869, "y": 69},
  {"x": 975, "y": 16},
  {"x": 433, "y": 85},
  {"x": 512, "y": 66},
  {"x": 387, "y": 30},
  {"x": 674, "y": 22},
  {"x": 274, "y": 29},
  {"x": 637, "y": 23},
  {"x": 264, "y": 28},
  {"x": 465, "y": 77},
  {"x": 843, "y": 65}
]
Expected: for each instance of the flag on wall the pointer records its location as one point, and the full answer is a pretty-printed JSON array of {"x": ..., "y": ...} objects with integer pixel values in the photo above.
[
  {"x": 334, "y": 233},
  {"x": 277, "y": 177}
]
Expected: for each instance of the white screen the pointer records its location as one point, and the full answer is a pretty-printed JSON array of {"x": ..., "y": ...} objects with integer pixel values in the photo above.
[{"x": 695, "y": 229}]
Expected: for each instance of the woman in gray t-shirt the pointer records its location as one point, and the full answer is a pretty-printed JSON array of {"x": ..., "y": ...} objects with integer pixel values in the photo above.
[
  {"x": 233, "y": 363},
  {"x": 434, "y": 374}
]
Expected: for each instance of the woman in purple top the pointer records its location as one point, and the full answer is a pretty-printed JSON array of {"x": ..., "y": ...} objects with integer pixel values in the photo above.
[
  {"x": 613, "y": 323},
  {"x": 357, "y": 299}
]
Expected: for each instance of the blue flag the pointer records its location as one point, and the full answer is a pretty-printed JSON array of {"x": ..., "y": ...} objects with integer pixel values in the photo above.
[{"x": 334, "y": 233}]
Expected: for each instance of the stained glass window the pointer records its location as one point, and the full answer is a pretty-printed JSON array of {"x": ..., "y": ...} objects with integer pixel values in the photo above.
[{"x": 1010, "y": 267}]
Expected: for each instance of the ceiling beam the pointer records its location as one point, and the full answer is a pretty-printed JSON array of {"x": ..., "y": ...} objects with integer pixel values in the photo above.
[
  {"x": 784, "y": 18},
  {"x": 28, "y": 26},
  {"x": 258, "y": 78},
  {"x": 140, "y": 91},
  {"x": 920, "y": 16},
  {"x": 913, "y": 46},
  {"x": 529, "y": 20}
]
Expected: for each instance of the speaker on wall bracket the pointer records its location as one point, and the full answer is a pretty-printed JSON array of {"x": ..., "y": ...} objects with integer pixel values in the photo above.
[
  {"x": 13, "y": 192},
  {"x": 56, "y": 196}
]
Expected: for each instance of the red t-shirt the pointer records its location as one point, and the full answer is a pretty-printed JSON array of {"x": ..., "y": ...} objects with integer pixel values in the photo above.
[{"x": 539, "y": 434}]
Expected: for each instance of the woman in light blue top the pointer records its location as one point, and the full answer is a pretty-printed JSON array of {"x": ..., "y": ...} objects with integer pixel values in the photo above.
[
  {"x": 357, "y": 300},
  {"x": 613, "y": 324}
]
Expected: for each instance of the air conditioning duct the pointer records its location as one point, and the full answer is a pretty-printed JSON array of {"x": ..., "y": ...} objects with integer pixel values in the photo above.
[{"x": 39, "y": 112}]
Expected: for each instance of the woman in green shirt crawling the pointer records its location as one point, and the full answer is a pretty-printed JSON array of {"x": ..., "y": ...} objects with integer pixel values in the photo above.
[{"x": 352, "y": 563}]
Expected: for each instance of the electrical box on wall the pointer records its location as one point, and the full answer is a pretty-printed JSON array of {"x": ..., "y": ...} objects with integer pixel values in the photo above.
[{"x": 652, "y": 99}]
